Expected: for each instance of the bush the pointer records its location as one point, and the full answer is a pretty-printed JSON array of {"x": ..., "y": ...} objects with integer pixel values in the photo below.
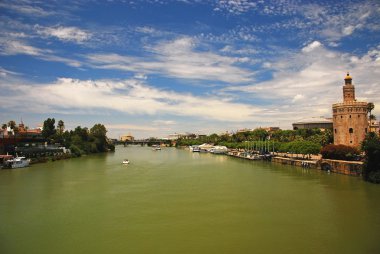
[
  {"x": 371, "y": 147},
  {"x": 339, "y": 152},
  {"x": 76, "y": 151}
]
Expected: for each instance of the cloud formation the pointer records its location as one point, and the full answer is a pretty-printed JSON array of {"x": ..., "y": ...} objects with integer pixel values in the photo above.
[
  {"x": 131, "y": 97},
  {"x": 308, "y": 82},
  {"x": 178, "y": 59},
  {"x": 67, "y": 34}
]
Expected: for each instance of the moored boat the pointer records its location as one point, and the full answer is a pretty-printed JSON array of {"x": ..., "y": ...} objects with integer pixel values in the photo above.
[
  {"x": 18, "y": 162},
  {"x": 219, "y": 150},
  {"x": 195, "y": 149}
]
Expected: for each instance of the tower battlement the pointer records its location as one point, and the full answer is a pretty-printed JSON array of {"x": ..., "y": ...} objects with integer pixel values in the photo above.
[{"x": 350, "y": 121}]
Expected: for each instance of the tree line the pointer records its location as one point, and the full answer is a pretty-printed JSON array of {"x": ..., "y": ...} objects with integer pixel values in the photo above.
[
  {"x": 80, "y": 141},
  {"x": 302, "y": 141}
]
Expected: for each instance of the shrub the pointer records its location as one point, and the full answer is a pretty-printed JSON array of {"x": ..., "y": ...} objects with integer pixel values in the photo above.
[
  {"x": 371, "y": 147},
  {"x": 339, "y": 152},
  {"x": 76, "y": 151}
]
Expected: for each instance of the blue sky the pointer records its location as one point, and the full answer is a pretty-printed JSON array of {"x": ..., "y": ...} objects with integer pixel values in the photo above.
[{"x": 155, "y": 67}]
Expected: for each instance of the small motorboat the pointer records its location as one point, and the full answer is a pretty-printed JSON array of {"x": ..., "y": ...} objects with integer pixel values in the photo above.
[
  {"x": 156, "y": 147},
  {"x": 126, "y": 161}
]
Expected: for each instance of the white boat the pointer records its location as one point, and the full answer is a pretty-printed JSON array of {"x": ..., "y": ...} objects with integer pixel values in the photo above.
[
  {"x": 219, "y": 150},
  {"x": 18, "y": 162},
  {"x": 156, "y": 147},
  {"x": 125, "y": 161},
  {"x": 195, "y": 149},
  {"x": 204, "y": 148}
]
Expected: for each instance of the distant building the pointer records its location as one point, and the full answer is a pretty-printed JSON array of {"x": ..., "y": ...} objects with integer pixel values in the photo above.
[
  {"x": 350, "y": 119},
  {"x": 21, "y": 136},
  {"x": 174, "y": 136},
  {"x": 271, "y": 129},
  {"x": 374, "y": 126},
  {"x": 313, "y": 123},
  {"x": 243, "y": 130},
  {"x": 128, "y": 137}
]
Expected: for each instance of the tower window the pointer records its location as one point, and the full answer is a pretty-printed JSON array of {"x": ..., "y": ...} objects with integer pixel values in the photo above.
[
  {"x": 335, "y": 131},
  {"x": 341, "y": 116},
  {"x": 351, "y": 130},
  {"x": 350, "y": 116},
  {"x": 358, "y": 116},
  {"x": 366, "y": 130}
]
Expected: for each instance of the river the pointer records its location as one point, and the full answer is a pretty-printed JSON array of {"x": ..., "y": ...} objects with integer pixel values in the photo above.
[{"x": 175, "y": 201}]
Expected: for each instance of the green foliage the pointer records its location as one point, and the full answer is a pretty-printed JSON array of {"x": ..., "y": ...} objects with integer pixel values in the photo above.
[
  {"x": 80, "y": 140},
  {"x": 61, "y": 127},
  {"x": 371, "y": 147},
  {"x": 301, "y": 141},
  {"x": 12, "y": 124},
  {"x": 300, "y": 147},
  {"x": 339, "y": 152},
  {"x": 48, "y": 128},
  {"x": 76, "y": 150}
]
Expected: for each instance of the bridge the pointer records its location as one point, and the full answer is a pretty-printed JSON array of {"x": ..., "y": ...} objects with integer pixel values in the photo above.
[{"x": 144, "y": 142}]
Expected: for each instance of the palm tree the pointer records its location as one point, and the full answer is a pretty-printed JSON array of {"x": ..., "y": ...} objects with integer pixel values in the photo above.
[
  {"x": 4, "y": 126},
  {"x": 61, "y": 127},
  {"x": 12, "y": 124},
  {"x": 370, "y": 107}
]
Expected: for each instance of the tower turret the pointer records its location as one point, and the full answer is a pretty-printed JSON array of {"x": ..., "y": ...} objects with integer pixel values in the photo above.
[{"x": 348, "y": 89}]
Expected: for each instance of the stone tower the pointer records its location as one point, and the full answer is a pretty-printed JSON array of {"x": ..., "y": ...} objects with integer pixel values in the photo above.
[{"x": 350, "y": 120}]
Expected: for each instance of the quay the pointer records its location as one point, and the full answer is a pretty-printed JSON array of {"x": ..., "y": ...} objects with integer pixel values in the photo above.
[{"x": 352, "y": 168}]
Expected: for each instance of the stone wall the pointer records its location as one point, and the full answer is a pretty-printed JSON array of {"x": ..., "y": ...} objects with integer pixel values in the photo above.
[{"x": 353, "y": 168}]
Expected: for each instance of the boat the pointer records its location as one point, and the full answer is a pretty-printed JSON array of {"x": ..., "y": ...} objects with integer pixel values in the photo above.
[
  {"x": 219, "y": 150},
  {"x": 126, "y": 161},
  {"x": 17, "y": 162},
  {"x": 205, "y": 148},
  {"x": 195, "y": 149},
  {"x": 156, "y": 147}
]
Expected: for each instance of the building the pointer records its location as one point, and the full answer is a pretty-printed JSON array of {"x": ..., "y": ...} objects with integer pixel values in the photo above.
[
  {"x": 19, "y": 137},
  {"x": 314, "y": 123},
  {"x": 271, "y": 129},
  {"x": 350, "y": 121},
  {"x": 128, "y": 137}
]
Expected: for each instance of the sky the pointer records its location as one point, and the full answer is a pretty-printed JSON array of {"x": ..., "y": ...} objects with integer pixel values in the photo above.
[{"x": 151, "y": 68}]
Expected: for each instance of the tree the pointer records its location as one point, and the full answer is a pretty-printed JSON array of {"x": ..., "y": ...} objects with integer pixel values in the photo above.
[
  {"x": 99, "y": 131},
  {"x": 48, "y": 128},
  {"x": 12, "y": 124},
  {"x": 4, "y": 126},
  {"x": 371, "y": 167},
  {"x": 370, "y": 107},
  {"x": 339, "y": 152},
  {"x": 61, "y": 127}
]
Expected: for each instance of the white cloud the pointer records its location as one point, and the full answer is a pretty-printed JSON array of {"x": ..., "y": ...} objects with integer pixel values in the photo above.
[
  {"x": 178, "y": 59},
  {"x": 5, "y": 73},
  {"x": 24, "y": 8},
  {"x": 72, "y": 34},
  {"x": 129, "y": 127},
  {"x": 311, "y": 81},
  {"x": 298, "y": 97},
  {"x": 164, "y": 122},
  {"x": 13, "y": 47},
  {"x": 130, "y": 97},
  {"x": 311, "y": 46}
]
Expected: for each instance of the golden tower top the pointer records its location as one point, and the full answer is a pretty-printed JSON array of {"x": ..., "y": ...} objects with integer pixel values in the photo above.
[{"x": 348, "y": 79}]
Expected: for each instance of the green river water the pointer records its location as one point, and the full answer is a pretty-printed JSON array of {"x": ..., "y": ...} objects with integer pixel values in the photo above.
[{"x": 175, "y": 201}]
